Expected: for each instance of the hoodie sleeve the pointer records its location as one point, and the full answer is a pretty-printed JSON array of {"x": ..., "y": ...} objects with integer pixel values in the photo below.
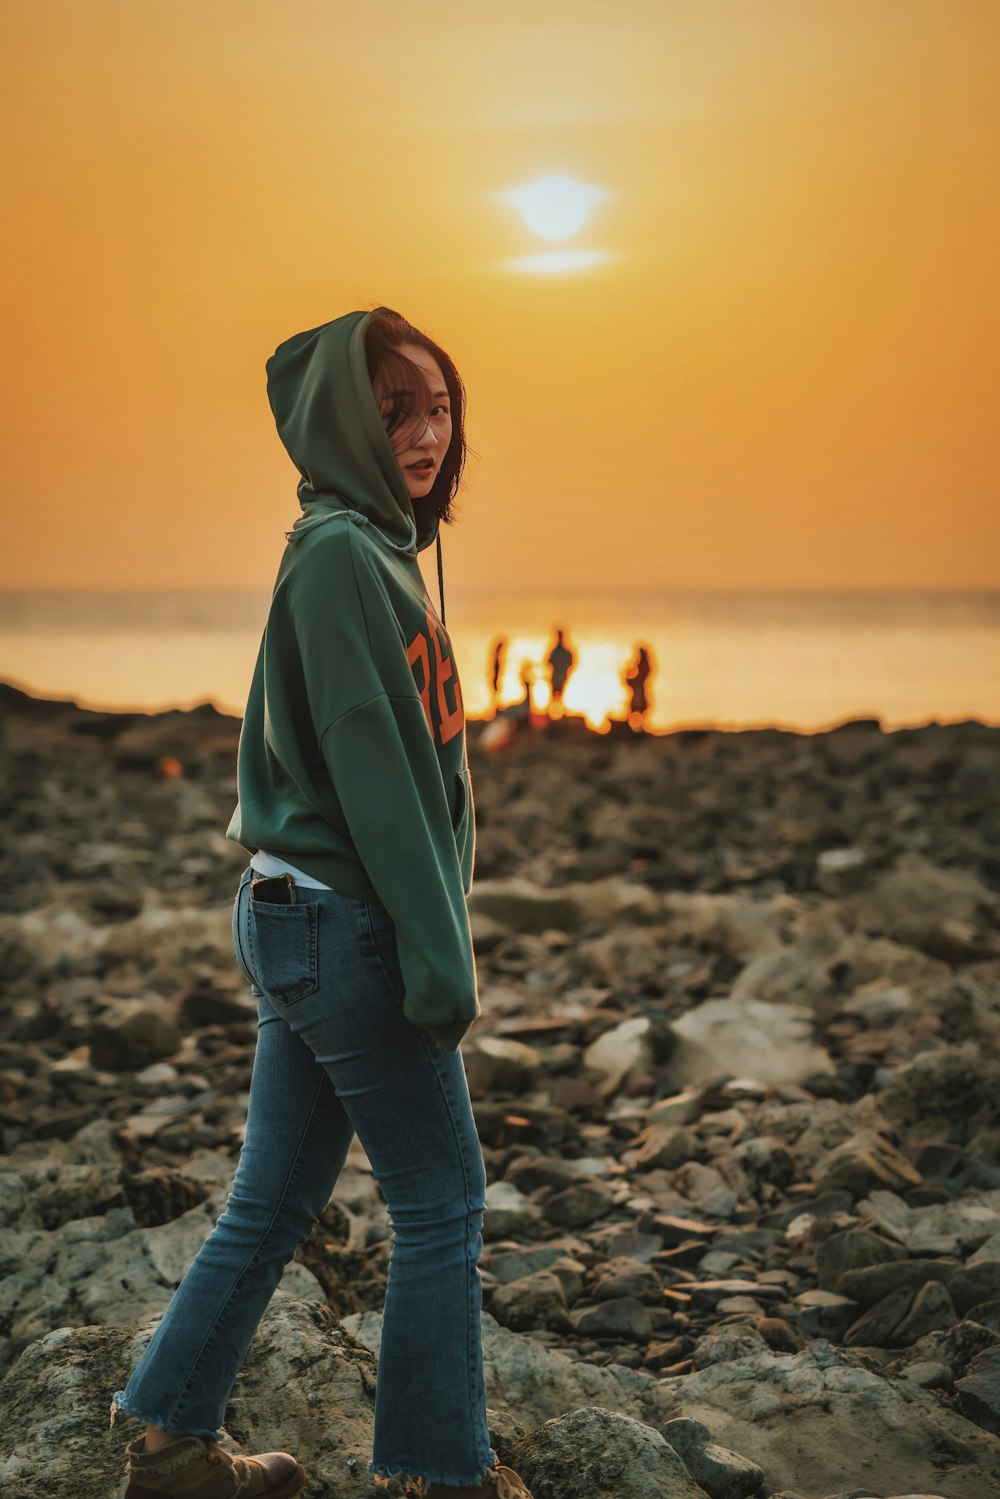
[{"x": 384, "y": 767}]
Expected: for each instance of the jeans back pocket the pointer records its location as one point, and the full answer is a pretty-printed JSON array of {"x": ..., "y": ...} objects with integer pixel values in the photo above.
[{"x": 284, "y": 949}]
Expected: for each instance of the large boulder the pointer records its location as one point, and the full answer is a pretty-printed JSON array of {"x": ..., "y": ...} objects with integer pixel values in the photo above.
[
  {"x": 603, "y": 1455},
  {"x": 818, "y": 1420},
  {"x": 306, "y": 1386}
]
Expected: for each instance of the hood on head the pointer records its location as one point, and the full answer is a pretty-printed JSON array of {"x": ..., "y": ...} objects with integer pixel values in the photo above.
[{"x": 329, "y": 422}]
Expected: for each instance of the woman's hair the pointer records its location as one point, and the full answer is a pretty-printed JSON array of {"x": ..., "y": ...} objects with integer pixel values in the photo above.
[{"x": 391, "y": 371}]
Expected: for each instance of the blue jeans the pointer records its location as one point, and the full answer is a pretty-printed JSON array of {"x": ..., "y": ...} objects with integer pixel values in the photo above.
[{"x": 335, "y": 1055}]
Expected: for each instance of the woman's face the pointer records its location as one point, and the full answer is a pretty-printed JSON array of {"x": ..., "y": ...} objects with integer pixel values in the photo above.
[{"x": 420, "y": 448}]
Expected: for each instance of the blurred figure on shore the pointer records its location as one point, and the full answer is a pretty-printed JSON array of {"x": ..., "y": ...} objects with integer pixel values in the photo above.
[
  {"x": 560, "y": 663},
  {"x": 635, "y": 678},
  {"x": 496, "y": 669},
  {"x": 516, "y": 719}
]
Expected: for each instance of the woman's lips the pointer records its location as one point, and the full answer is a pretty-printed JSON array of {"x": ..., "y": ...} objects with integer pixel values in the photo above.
[{"x": 421, "y": 468}]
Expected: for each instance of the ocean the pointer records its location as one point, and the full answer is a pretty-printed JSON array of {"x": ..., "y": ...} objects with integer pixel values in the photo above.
[{"x": 791, "y": 659}]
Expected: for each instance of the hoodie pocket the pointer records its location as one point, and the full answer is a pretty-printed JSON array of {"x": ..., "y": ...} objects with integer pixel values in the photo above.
[
  {"x": 284, "y": 949},
  {"x": 465, "y": 828}
]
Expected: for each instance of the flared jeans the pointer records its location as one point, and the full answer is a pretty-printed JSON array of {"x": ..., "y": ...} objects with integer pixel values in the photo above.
[{"x": 336, "y": 1056}]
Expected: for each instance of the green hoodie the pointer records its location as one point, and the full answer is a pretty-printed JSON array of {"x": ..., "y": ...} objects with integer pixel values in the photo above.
[{"x": 352, "y": 757}]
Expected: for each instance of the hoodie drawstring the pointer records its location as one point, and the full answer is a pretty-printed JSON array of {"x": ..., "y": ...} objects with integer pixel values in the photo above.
[{"x": 440, "y": 577}]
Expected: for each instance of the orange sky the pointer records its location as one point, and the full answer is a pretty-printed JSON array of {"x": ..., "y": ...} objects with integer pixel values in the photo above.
[{"x": 785, "y": 374}]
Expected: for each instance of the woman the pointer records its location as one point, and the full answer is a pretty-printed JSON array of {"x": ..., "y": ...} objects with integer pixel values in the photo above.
[{"x": 351, "y": 927}]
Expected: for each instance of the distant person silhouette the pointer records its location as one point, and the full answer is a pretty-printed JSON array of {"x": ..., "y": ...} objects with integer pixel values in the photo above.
[
  {"x": 496, "y": 669},
  {"x": 523, "y": 710},
  {"x": 635, "y": 678},
  {"x": 560, "y": 662},
  {"x": 515, "y": 719}
]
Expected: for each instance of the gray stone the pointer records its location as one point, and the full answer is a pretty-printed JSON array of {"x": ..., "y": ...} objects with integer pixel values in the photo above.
[
  {"x": 617, "y": 1052},
  {"x": 578, "y": 1205},
  {"x": 54, "y": 1405},
  {"x": 932, "y": 1311},
  {"x": 683, "y": 1108},
  {"x": 623, "y": 1318},
  {"x": 914, "y": 903},
  {"x": 876, "y": 1326},
  {"x": 851, "y": 1249},
  {"x": 929, "y": 1375},
  {"x": 537, "y": 1300},
  {"x": 508, "y": 1212},
  {"x": 979, "y": 1392},
  {"x": 623, "y": 1276},
  {"x": 603, "y": 1455},
  {"x": 770, "y": 1043},
  {"x": 495, "y": 1064},
  {"x": 862, "y": 1162},
  {"x": 966, "y": 1284},
  {"x": 131, "y": 1035},
  {"x": 824, "y": 1314},
  {"x": 506, "y": 1263},
  {"x": 821, "y": 1416},
  {"x": 665, "y": 1145},
  {"x": 722, "y": 1474},
  {"x": 955, "y": 1084}
]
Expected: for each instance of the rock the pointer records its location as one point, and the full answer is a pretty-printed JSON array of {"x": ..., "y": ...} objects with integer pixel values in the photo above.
[
  {"x": 624, "y": 1318},
  {"x": 824, "y": 1314},
  {"x": 746, "y": 1038},
  {"x": 507, "y": 1262},
  {"x": 779, "y": 1334},
  {"x": 131, "y": 1035},
  {"x": 578, "y": 1205},
  {"x": 861, "y": 1163},
  {"x": 877, "y": 1325},
  {"x": 821, "y": 1416},
  {"x": 537, "y": 1300},
  {"x": 54, "y": 1404},
  {"x": 664, "y": 1145},
  {"x": 521, "y": 906},
  {"x": 603, "y": 1455},
  {"x": 536, "y": 1383},
  {"x": 914, "y": 903},
  {"x": 494, "y": 1064},
  {"x": 623, "y": 1276},
  {"x": 508, "y": 1212},
  {"x": 618, "y": 1052},
  {"x": 878, "y": 1003},
  {"x": 932, "y": 1310},
  {"x": 534, "y": 1171},
  {"x": 929, "y": 1375},
  {"x": 966, "y": 1284},
  {"x": 979, "y": 1392},
  {"x": 727, "y": 1344},
  {"x": 682, "y": 1108},
  {"x": 722, "y": 1474},
  {"x": 851, "y": 1249},
  {"x": 206, "y": 1004},
  {"x": 946, "y": 1228},
  {"x": 990, "y": 1250},
  {"x": 765, "y": 1162},
  {"x": 954, "y": 1084}
]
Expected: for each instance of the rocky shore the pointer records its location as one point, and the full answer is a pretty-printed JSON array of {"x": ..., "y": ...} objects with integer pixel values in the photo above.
[{"x": 737, "y": 1081}]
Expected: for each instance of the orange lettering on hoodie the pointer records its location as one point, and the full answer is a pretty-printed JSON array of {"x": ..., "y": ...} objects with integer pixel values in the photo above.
[{"x": 449, "y": 718}]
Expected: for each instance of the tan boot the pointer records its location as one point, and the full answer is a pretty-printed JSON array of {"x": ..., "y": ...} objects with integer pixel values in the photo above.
[
  {"x": 198, "y": 1468},
  {"x": 499, "y": 1483}
]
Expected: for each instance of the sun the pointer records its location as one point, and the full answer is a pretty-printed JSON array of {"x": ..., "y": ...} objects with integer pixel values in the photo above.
[{"x": 554, "y": 207}]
